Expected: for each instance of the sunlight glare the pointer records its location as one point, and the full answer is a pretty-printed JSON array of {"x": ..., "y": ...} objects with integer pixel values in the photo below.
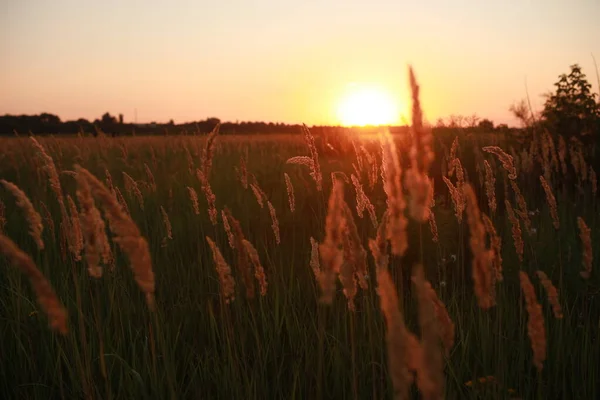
[{"x": 367, "y": 106}]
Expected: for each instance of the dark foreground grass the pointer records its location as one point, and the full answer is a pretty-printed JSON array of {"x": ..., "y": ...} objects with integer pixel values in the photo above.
[{"x": 285, "y": 344}]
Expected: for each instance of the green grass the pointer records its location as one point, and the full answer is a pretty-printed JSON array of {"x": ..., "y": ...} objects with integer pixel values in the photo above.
[{"x": 285, "y": 344}]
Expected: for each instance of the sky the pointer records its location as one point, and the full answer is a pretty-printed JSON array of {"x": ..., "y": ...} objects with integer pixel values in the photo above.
[{"x": 286, "y": 61}]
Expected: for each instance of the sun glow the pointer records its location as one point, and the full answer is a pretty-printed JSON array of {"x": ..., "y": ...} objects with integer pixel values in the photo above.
[{"x": 362, "y": 106}]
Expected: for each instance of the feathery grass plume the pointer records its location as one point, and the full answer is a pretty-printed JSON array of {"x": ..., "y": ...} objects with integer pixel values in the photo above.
[
  {"x": 593, "y": 181},
  {"x": 259, "y": 271},
  {"x": 357, "y": 154},
  {"x": 452, "y": 156},
  {"x": 433, "y": 227},
  {"x": 335, "y": 175},
  {"x": 31, "y": 215},
  {"x": 315, "y": 265},
  {"x": 243, "y": 264},
  {"x": 431, "y": 193},
  {"x": 585, "y": 234},
  {"x": 458, "y": 199},
  {"x": 482, "y": 257},
  {"x": 552, "y": 294},
  {"x": 243, "y": 173},
  {"x": 373, "y": 174},
  {"x": 46, "y": 297},
  {"x": 2, "y": 216},
  {"x": 552, "y": 151},
  {"x": 257, "y": 194},
  {"x": 109, "y": 182},
  {"x": 208, "y": 152},
  {"x": 355, "y": 256},
  {"x": 128, "y": 236},
  {"x": 397, "y": 335},
  {"x": 522, "y": 211},
  {"x": 274, "y": 222},
  {"x": 97, "y": 246},
  {"x": 430, "y": 377},
  {"x": 133, "y": 189},
  {"x": 562, "y": 154},
  {"x": 290, "y": 192},
  {"x": 227, "y": 227},
  {"x": 76, "y": 236},
  {"x": 446, "y": 327},
  {"x": 210, "y": 196},
  {"x": 301, "y": 160},
  {"x": 551, "y": 202},
  {"x": 535, "y": 323},
  {"x": 392, "y": 173},
  {"x": 190, "y": 160},
  {"x": 490, "y": 187},
  {"x": 167, "y": 223},
  {"x": 150, "y": 177},
  {"x": 224, "y": 272},
  {"x": 332, "y": 255},
  {"x": 421, "y": 157},
  {"x": 194, "y": 199},
  {"x": 48, "y": 220},
  {"x": 378, "y": 246},
  {"x": 122, "y": 201},
  {"x": 363, "y": 202},
  {"x": 516, "y": 230},
  {"x": 505, "y": 159},
  {"x": 314, "y": 155},
  {"x": 496, "y": 247}
]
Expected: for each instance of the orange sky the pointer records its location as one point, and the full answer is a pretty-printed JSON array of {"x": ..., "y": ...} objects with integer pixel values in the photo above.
[{"x": 285, "y": 61}]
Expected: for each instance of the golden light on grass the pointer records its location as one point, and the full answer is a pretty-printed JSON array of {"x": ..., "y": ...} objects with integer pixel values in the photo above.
[{"x": 363, "y": 105}]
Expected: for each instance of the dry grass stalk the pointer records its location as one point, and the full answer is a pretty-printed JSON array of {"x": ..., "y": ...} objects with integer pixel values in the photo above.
[
  {"x": 482, "y": 257},
  {"x": 593, "y": 181},
  {"x": 194, "y": 199},
  {"x": 490, "y": 187},
  {"x": 47, "y": 216},
  {"x": 97, "y": 246},
  {"x": 433, "y": 227},
  {"x": 392, "y": 172},
  {"x": 315, "y": 265},
  {"x": 46, "y": 297},
  {"x": 259, "y": 271},
  {"x": 227, "y": 227},
  {"x": 274, "y": 222},
  {"x": 167, "y": 222},
  {"x": 314, "y": 155},
  {"x": 363, "y": 202},
  {"x": 208, "y": 151},
  {"x": 301, "y": 160},
  {"x": 452, "y": 156},
  {"x": 562, "y": 154},
  {"x": 332, "y": 255},
  {"x": 128, "y": 236},
  {"x": 535, "y": 323},
  {"x": 430, "y": 377},
  {"x": 150, "y": 177},
  {"x": 585, "y": 234},
  {"x": 551, "y": 202},
  {"x": 397, "y": 336},
  {"x": 224, "y": 272},
  {"x": 516, "y": 230},
  {"x": 505, "y": 159},
  {"x": 133, "y": 189},
  {"x": 552, "y": 294},
  {"x": 354, "y": 267},
  {"x": 373, "y": 174},
  {"x": 122, "y": 201},
  {"x": 522, "y": 211},
  {"x": 446, "y": 327},
  {"x": 458, "y": 199},
  {"x": 257, "y": 194},
  {"x": 290, "y": 192},
  {"x": 243, "y": 172},
  {"x": 75, "y": 235},
  {"x": 109, "y": 182},
  {"x": 335, "y": 175},
  {"x": 421, "y": 157},
  {"x": 378, "y": 246},
  {"x": 31, "y": 215},
  {"x": 243, "y": 263},
  {"x": 210, "y": 196},
  {"x": 496, "y": 247}
]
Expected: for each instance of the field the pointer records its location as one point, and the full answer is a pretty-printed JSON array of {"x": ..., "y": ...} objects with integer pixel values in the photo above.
[{"x": 175, "y": 330}]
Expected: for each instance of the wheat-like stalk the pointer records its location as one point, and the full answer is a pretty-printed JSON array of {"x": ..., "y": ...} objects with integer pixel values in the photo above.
[
  {"x": 490, "y": 187},
  {"x": 150, "y": 177},
  {"x": 31, "y": 215},
  {"x": 243, "y": 262},
  {"x": 274, "y": 222},
  {"x": 496, "y": 246},
  {"x": 76, "y": 235},
  {"x": 208, "y": 152},
  {"x": 552, "y": 294},
  {"x": 363, "y": 202},
  {"x": 167, "y": 223},
  {"x": 585, "y": 234},
  {"x": 227, "y": 227},
  {"x": 128, "y": 236},
  {"x": 133, "y": 189},
  {"x": 551, "y": 202},
  {"x": 535, "y": 324},
  {"x": 194, "y": 199},
  {"x": 522, "y": 211},
  {"x": 46, "y": 297},
  {"x": 314, "y": 155},
  {"x": 259, "y": 271},
  {"x": 290, "y": 192},
  {"x": 210, "y": 196},
  {"x": 516, "y": 230},
  {"x": 505, "y": 159},
  {"x": 224, "y": 272},
  {"x": 315, "y": 265}
]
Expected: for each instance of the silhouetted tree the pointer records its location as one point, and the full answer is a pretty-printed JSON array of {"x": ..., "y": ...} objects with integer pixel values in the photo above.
[{"x": 486, "y": 125}]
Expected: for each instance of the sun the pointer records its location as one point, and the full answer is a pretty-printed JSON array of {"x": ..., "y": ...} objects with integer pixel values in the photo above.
[{"x": 369, "y": 105}]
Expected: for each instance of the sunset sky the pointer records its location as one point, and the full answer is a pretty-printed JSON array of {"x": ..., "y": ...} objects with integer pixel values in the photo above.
[{"x": 285, "y": 61}]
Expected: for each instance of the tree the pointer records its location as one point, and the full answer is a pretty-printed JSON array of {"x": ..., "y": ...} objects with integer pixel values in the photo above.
[
  {"x": 572, "y": 110},
  {"x": 520, "y": 111},
  {"x": 486, "y": 125}
]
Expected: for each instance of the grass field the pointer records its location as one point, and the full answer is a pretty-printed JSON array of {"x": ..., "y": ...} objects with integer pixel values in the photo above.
[{"x": 190, "y": 343}]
